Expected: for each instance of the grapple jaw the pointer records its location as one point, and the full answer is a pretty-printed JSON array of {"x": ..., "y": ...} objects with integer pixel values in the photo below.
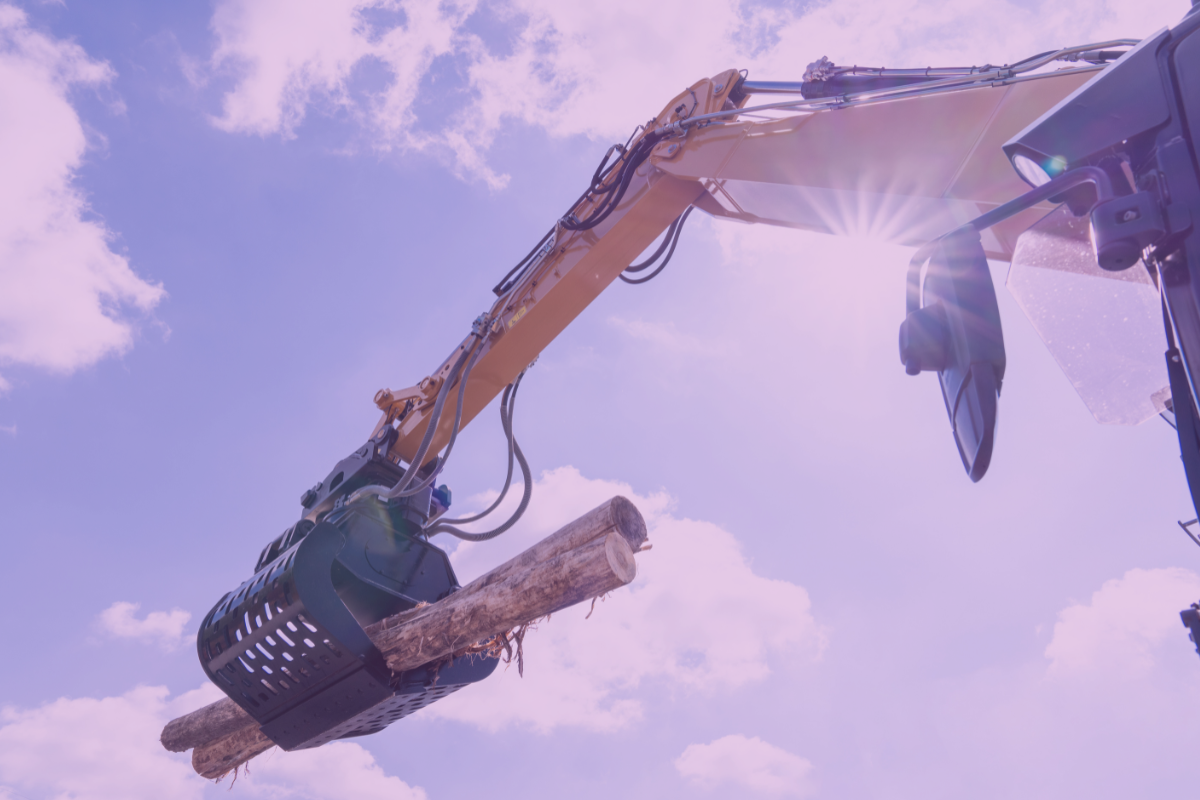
[{"x": 288, "y": 645}]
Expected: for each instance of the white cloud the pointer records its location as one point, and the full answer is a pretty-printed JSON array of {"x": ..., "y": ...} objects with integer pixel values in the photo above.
[
  {"x": 95, "y": 749},
  {"x": 746, "y": 763},
  {"x": 66, "y": 297},
  {"x": 1119, "y": 631},
  {"x": 668, "y": 628},
  {"x": 189, "y": 701},
  {"x": 1109, "y": 711},
  {"x": 108, "y": 749},
  {"x": 288, "y": 56},
  {"x": 581, "y": 68},
  {"x": 335, "y": 771},
  {"x": 163, "y": 628}
]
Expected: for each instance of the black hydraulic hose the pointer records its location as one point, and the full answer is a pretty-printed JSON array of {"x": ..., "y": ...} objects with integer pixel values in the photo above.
[
  {"x": 462, "y": 389},
  {"x": 506, "y": 282},
  {"x": 666, "y": 242},
  {"x": 633, "y": 160},
  {"x": 527, "y": 476},
  {"x": 639, "y": 154},
  {"x": 597, "y": 189},
  {"x": 601, "y": 173},
  {"x": 673, "y": 233},
  {"x": 516, "y": 272},
  {"x": 435, "y": 417},
  {"x": 507, "y": 405},
  {"x": 612, "y": 197}
]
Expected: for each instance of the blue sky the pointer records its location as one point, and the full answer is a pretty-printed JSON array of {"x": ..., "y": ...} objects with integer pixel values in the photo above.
[{"x": 226, "y": 225}]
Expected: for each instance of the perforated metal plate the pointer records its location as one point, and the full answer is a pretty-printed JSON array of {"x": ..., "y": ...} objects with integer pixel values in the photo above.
[{"x": 286, "y": 649}]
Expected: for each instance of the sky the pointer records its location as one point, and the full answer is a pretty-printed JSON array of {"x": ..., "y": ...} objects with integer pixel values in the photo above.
[{"x": 226, "y": 225}]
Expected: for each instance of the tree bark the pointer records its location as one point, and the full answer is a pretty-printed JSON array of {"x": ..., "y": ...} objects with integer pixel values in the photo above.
[
  {"x": 218, "y": 758},
  {"x": 439, "y": 630},
  {"x": 617, "y": 514},
  {"x": 585, "y": 559},
  {"x": 205, "y": 725}
]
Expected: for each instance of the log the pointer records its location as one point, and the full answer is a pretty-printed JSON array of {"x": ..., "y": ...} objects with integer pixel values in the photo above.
[
  {"x": 440, "y": 630},
  {"x": 204, "y": 725},
  {"x": 225, "y": 717},
  {"x": 448, "y": 626},
  {"x": 216, "y": 759},
  {"x": 617, "y": 514},
  {"x": 586, "y": 558}
]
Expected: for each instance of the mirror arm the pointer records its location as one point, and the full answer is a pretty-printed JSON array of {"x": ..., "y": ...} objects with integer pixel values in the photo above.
[{"x": 1060, "y": 185}]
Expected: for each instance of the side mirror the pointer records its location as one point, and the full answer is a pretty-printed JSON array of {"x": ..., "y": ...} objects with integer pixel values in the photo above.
[{"x": 953, "y": 328}]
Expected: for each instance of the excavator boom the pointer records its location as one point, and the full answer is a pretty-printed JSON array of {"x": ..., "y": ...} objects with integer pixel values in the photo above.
[{"x": 820, "y": 165}]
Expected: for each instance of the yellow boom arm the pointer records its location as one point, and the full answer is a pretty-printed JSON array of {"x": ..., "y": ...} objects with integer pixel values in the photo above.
[{"x": 901, "y": 167}]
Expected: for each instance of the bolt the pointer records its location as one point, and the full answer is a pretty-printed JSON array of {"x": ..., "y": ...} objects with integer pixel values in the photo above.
[
  {"x": 672, "y": 149},
  {"x": 1130, "y": 215},
  {"x": 720, "y": 87},
  {"x": 308, "y": 498}
]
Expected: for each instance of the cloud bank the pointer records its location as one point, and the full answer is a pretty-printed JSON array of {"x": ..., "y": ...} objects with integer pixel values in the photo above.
[
  {"x": 668, "y": 628},
  {"x": 446, "y": 77},
  {"x": 107, "y": 749},
  {"x": 95, "y": 749},
  {"x": 1106, "y": 692},
  {"x": 1120, "y": 631},
  {"x": 67, "y": 299},
  {"x": 746, "y": 764}
]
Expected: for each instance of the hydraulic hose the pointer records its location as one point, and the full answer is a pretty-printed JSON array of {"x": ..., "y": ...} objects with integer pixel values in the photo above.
[
  {"x": 507, "y": 405},
  {"x": 673, "y": 237},
  {"x": 527, "y": 476},
  {"x": 403, "y": 486},
  {"x": 462, "y": 389},
  {"x": 629, "y": 160},
  {"x": 434, "y": 418},
  {"x": 445, "y": 526},
  {"x": 633, "y": 159},
  {"x": 666, "y": 242}
]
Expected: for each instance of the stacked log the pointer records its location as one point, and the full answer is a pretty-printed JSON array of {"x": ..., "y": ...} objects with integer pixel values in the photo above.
[{"x": 585, "y": 559}]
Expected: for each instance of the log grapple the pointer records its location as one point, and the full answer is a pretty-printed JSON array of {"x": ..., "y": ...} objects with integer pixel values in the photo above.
[{"x": 289, "y": 645}]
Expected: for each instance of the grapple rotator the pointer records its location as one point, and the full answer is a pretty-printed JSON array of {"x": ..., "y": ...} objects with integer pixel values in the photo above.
[{"x": 289, "y": 646}]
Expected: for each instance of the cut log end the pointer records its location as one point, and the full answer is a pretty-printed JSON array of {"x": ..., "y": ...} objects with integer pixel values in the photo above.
[
  {"x": 620, "y": 558},
  {"x": 628, "y": 521}
]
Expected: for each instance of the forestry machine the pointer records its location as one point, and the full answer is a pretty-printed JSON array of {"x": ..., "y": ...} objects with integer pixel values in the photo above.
[{"x": 1079, "y": 166}]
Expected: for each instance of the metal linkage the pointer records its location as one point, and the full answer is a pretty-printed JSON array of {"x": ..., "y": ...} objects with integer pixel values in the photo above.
[
  {"x": 957, "y": 80},
  {"x": 1059, "y": 186}
]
